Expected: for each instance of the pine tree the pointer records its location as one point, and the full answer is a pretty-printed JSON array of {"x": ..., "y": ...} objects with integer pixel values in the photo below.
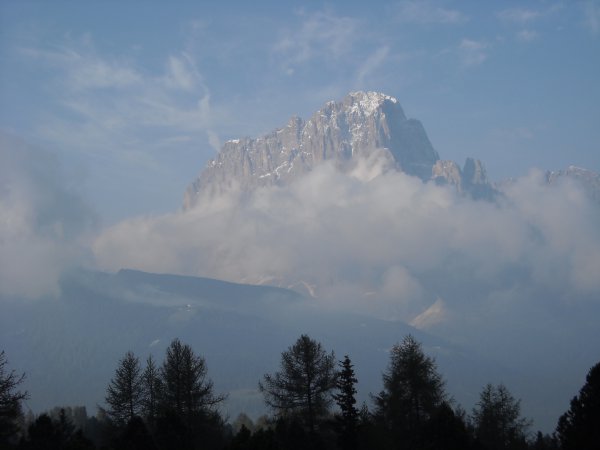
[
  {"x": 302, "y": 388},
  {"x": 345, "y": 399},
  {"x": 124, "y": 394}
]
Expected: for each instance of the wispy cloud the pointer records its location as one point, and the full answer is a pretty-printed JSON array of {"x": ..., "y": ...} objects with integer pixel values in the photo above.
[
  {"x": 113, "y": 101},
  {"x": 427, "y": 12},
  {"x": 182, "y": 73},
  {"x": 472, "y": 52},
  {"x": 518, "y": 15},
  {"x": 83, "y": 69},
  {"x": 320, "y": 35},
  {"x": 525, "y": 19},
  {"x": 527, "y": 35},
  {"x": 372, "y": 63},
  {"x": 525, "y": 16}
]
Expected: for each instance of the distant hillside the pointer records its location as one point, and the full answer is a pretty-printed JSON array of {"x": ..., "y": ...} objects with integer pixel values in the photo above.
[{"x": 69, "y": 347}]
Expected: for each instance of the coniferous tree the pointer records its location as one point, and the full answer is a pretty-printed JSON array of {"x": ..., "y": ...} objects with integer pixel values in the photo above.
[
  {"x": 446, "y": 430},
  {"x": 579, "y": 427},
  {"x": 42, "y": 433},
  {"x": 135, "y": 436},
  {"x": 544, "y": 442},
  {"x": 346, "y": 401},
  {"x": 302, "y": 388},
  {"x": 124, "y": 394},
  {"x": 10, "y": 401},
  {"x": 242, "y": 420},
  {"x": 187, "y": 391},
  {"x": 152, "y": 387},
  {"x": 497, "y": 420},
  {"x": 413, "y": 390},
  {"x": 54, "y": 434}
]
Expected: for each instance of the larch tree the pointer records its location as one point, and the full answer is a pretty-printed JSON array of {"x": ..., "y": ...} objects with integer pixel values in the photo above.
[
  {"x": 497, "y": 419},
  {"x": 186, "y": 391},
  {"x": 10, "y": 400},
  {"x": 125, "y": 393},
  {"x": 152, "y": 388},
  {"x": 412, "y": 391},
  {"x": 303, "y": 386}
]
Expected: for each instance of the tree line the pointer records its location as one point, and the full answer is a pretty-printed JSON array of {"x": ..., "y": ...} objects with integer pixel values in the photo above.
[{"x": 312, "y": 400}]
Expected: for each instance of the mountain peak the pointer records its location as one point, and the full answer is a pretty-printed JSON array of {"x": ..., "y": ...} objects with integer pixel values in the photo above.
[
  {"x": 369, "y": 101},
  {"x": 588, "y": 179},
  {"x": 359, "y": 125}
]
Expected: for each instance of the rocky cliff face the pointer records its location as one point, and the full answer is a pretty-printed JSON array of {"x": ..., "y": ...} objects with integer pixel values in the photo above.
[
  {"x": 471, "y": 179},
  {"x": 362, "y": 123}
]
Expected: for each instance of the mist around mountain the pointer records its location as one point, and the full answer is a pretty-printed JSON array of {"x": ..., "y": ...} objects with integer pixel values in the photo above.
[{"x": 355, "y": 215}]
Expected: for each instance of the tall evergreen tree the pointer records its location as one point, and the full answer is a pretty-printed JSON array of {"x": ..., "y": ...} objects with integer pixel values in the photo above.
[
  {"x": 187, "y": 391},
  {"x": 10, "y": 400},
  {"x": 497, "y": 419},
  {"x": 413, "y": 390},
  {"x": 302, "y": 388},
  {"x": 124, "y": 394},
  {"x": 152, "y": 387},
  {"x": 346, "y": 401},
  {"x": 579, "y": 427}
]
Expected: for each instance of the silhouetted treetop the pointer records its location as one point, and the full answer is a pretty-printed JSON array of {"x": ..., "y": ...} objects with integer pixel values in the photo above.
[{"x": 579, "y": 427}]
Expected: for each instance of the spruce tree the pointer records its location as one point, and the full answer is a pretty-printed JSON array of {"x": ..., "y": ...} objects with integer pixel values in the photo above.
[{"x": 346, "y": 401}]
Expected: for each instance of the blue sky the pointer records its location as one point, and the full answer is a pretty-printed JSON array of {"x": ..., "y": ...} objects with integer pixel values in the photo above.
[{"x": 132, "y": 98}]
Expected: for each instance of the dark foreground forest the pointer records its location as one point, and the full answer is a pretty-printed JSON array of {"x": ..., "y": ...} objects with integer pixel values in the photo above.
[{"x": 312, "y": 399}]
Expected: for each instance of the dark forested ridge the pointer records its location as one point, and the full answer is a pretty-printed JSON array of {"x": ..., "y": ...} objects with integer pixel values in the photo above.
[{"x": 173, "y": 404}]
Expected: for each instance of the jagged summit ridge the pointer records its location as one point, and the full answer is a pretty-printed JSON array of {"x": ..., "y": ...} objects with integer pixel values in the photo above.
[
  {"x": 357, "y": 126},
  {"x": 588, "y": 179},
  {"x": 368, "y": 102},
  {"x": 471, "y": 179}
]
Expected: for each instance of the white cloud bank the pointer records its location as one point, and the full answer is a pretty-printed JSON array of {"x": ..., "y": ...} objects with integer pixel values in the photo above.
[
  {"x": 519, "y": 272},
  {"x": 42, "y": 222},
  {"x": 389, "y": 245}
]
